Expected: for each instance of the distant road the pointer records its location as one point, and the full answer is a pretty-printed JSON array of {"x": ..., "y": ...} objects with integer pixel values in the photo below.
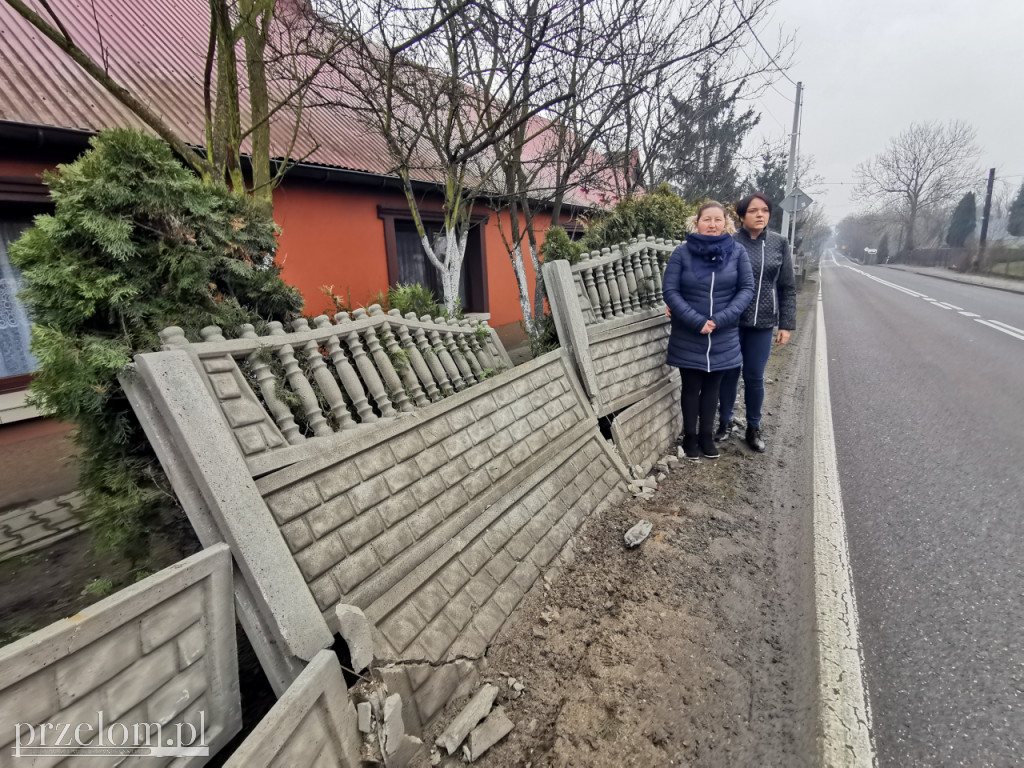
[{"x": 927, "y": 380}]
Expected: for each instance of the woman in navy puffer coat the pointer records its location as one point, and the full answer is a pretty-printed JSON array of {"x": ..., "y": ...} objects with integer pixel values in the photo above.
[{"x": 707, "y": 285}]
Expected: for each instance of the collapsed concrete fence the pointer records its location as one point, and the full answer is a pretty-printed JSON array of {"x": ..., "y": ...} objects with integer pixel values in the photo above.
[
  {"x": 155, "y": 664},
  {"x": 346, "y": 486},
  {"x": 609, "y": 312}
]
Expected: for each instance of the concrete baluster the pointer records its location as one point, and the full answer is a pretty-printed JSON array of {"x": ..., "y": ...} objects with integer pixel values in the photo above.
[
  {"x": 324, "y": 378},
  {"x": 443, "y": 355},
  {"x": 386, "y": 368},
  {"x": 604, "y": 300},
  {"x": 400, "y": 376},
  {"x": 364, "y": 364},
  {"x": 420, "y": 370},
  {"x": 624, "y": 293},
  {"x": 440, "y": 375},
  {"x": 300, "y": 384},
  {"x": 479, "y": 351},
  {"x": 462, "y": 337},
  {"x": 173, "y": 337},
  {"x": 268, "y": 388},
  {"x": 349, "y": 378},
  {"x": 613, "y": 287}
]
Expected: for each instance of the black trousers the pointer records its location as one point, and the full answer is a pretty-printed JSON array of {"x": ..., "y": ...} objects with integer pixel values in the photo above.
[{"x": 699, "y": 400}]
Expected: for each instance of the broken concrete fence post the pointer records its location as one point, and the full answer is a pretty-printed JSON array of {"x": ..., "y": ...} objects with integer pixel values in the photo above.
[
  {"x": 394, "y": 724},
  {"x": 355, "y": 630},
  {"x": 471, "y": 714},
  {"x": 492, "y": 730}
]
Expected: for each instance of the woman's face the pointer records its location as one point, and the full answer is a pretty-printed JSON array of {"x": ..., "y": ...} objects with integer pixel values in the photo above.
[
  {"x": 757, "y": 215},
  {"x": 711, "y": 221}
]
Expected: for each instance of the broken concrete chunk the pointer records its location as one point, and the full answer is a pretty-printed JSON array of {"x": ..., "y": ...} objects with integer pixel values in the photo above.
[
  {"x": 365, "y": 713},
  {"x": 409, "y": 749},
  {"x": 471, "y": 714},
  {"x": 394, "y": 725},
  {"x": 635, "y": 536},
  {"x": 492, "y": 730},
  {"x": 650, "y": 482},
  {"x": 661, "y": 477},
  {"x": 680, "y": 454},
  {"x": 354, "y": 628}
]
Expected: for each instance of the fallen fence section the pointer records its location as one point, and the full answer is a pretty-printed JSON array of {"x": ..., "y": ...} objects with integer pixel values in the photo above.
[
  {"x": 642, "y": 431},
  {"x": 312, "y": 724},
  {"x": 609, "y": 311},
  {"x": 432, "y": 521},
  {"x": 151, "y": 670}
]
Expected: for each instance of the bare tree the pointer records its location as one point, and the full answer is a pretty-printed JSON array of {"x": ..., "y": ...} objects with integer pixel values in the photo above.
[
  {"x": 925, "y": 168},
  {"x": 432, "y": 85}
]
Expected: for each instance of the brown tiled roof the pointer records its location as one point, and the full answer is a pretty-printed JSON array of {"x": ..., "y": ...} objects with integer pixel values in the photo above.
[{"x": 157, "y": 50}]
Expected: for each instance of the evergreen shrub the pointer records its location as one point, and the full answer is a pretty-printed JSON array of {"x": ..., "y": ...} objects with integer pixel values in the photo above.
[{"x": 136, "y": 243}]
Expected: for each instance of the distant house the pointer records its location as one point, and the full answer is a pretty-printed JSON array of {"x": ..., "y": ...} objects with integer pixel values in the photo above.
[{"x": 345, "y": 222}]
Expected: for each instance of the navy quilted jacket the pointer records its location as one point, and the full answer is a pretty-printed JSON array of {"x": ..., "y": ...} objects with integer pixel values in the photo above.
[
  {"x": 707, "y": 277},
  {"x": 774, "y": 281}
]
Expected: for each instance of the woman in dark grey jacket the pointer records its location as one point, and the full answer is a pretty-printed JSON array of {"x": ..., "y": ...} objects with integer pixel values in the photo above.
[
  {"x": 707, "y": 285},
  {"x": 774, "y": 302}
]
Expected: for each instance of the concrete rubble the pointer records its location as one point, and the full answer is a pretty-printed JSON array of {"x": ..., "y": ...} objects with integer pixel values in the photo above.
[
  {"x": 492, "y": 730},
  {"x": 476, "y": 710}
]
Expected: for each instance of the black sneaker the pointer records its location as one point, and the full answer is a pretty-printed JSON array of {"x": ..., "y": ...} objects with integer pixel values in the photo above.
[
  {"x": 754, "y": 439},
  {"x": 723, "y": 431},
  {"x": 690, "y": 447},
  {"x": 707, "y": 446}
]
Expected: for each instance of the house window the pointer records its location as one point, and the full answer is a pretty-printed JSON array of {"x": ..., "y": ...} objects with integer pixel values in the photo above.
[
  {"x": 408, "y": 263},
  {"x": 16, "y": 361}
]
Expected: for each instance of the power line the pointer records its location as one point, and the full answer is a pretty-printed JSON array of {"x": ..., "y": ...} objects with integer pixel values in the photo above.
[{"x": 770, "y": 57}]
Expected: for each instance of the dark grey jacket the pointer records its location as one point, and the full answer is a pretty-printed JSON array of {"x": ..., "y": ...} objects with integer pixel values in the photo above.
[{"x": 774, "y": 282}]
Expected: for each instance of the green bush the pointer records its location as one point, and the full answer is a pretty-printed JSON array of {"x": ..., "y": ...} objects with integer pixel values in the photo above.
[
  {"x": 412, "y": 297},
  {"x": 558, "y": 247},
  {"x": 660, "y": 213},
  {"x": 136, "y": 243}
]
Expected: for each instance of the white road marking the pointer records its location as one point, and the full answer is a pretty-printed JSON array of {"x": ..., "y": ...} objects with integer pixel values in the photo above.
[
  {"x": 1009, "y": 330},
  {"x": 1007, "y": 326},
  {"x": 845, "y": 710},
  {"x": 999, "y": 327}
]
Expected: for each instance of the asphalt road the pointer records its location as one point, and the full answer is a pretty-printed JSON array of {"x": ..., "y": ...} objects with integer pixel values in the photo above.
[{"x": 928, "y": 408}]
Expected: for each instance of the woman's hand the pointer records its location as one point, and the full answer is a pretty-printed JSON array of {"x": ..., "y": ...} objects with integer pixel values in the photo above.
[
  {"x": 709, "y": 326},
  {"x": 782, "y": 337}
]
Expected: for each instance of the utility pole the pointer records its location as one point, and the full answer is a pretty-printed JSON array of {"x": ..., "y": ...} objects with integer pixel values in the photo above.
[
  {"x": 983, "y": 238},
  {"x": 791, "y": 165}
]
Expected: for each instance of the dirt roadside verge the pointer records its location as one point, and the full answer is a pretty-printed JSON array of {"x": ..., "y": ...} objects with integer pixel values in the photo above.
[{"x": 697, "y": 648}]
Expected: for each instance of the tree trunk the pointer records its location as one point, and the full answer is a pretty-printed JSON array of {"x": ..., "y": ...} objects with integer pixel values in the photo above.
[{"x": 255, "y": 18}]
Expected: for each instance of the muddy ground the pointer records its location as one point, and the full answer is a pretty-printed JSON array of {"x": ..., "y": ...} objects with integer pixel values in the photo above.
[{"x": 697, "y": 648}]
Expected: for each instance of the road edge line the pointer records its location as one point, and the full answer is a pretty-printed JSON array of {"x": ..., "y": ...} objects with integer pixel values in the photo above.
[{"x": 844, "y": 710}]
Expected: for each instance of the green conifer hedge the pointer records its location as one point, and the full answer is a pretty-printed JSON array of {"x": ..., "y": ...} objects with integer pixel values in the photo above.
[{"x": 136, "y": 243}]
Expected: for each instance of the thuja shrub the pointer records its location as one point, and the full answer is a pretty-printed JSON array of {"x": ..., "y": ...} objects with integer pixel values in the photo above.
[
  {"x": 660, "y": 213},
  {"x": 136, "y": 243}
]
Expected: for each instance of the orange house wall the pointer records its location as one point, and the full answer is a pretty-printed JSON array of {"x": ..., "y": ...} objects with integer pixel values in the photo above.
[{"x": 332, "y": 236}]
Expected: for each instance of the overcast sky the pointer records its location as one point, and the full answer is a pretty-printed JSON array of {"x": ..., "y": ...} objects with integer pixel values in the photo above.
[{"x": 871, "y": 67}]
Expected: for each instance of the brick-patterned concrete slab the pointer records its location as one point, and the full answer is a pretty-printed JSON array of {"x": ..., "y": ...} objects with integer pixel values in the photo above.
[
  {"x": 161, "y": 652},
  {"x": 647, "y": 430},
  {"x": 313, "y": 724}
]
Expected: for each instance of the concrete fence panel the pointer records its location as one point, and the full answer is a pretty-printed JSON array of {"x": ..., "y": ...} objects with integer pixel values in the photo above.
[
  {"x": 609, "y": 311},
  {"x": 313, "y": 724},
  {"x": 432, "y": 522},
  {"x": 157, "y": 658}
]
